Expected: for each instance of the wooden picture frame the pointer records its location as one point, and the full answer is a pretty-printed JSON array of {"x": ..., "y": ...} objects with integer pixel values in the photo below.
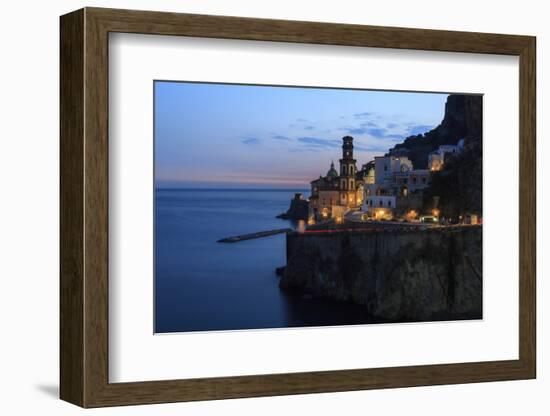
[{"x": 84, "y": 207}]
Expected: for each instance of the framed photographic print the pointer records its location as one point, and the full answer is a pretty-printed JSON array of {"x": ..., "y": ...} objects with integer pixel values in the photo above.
[{"x": 255, "y": 207}]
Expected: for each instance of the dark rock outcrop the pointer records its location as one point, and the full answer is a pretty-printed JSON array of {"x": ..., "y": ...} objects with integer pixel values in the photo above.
[
  {"x": 398, "y": 276},
  {"x": 280, "y": 271},
  {"x": 458, "y": 186},
  {"x": 298, "y": 210},
  {"x": 462, "y": 120}
]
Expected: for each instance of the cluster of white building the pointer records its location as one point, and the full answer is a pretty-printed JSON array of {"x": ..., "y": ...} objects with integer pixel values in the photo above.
[
  {"x": 436, "y": 159},
  {"x": 392, "y": 186},
  {"x": 386, "y": 187}
]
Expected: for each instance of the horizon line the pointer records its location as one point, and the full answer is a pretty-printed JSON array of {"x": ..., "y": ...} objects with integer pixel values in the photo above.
[{"x": 230, "y": 188}]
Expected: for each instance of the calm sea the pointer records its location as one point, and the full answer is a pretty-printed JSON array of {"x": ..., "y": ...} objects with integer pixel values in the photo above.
[{"x": 203, "y": 285}]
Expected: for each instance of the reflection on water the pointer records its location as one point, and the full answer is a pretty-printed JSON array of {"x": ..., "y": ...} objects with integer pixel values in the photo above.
[{"x": 204, "y": 285}]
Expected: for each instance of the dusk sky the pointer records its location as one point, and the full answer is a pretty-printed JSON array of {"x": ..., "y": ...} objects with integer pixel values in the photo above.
[{"x": 222, "y": 135}]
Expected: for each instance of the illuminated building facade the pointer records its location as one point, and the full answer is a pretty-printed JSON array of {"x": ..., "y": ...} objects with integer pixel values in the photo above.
[
  {"x": 436, "y": 159},
  {"x": 397, "y": 187},
  {"x": 338, "y": 191}
]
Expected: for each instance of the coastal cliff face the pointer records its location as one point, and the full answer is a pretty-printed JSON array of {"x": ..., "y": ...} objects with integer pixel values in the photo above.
[
  {"x": 459, "y": 185},
  {"x": 462, "y": 120},
  {"x": 398, "y": 276}
]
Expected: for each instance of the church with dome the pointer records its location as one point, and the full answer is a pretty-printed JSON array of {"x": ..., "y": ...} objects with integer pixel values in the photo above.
[{"x": 338, "y": 191}]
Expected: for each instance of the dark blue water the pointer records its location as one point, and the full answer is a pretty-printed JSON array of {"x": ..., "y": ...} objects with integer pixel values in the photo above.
[{"x": 204, "y": 285}]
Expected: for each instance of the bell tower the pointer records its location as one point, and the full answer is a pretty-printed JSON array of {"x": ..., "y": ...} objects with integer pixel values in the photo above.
[{"x": 348, "y": 170}]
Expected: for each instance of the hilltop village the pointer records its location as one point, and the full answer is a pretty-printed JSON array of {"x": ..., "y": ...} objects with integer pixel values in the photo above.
[
  {"x": 385, "y": 188},
  {"x": 401, "y": 235},
  {"x": 394, "y": 237},
  {"x": 433, "y": 177},
  {"x": 403, "y": 241}
]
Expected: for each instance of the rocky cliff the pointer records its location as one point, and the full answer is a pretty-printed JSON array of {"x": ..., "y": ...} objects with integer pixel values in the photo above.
[
  {"x": 458, "y": 186},
  {"x": 298, "y": 210},
  {"x": 398, "y": 275},
  {"x": 462, "y": 120}
]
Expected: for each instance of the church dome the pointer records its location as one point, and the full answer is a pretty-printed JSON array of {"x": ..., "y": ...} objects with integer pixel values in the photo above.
[{"x": 332, "y": 172}]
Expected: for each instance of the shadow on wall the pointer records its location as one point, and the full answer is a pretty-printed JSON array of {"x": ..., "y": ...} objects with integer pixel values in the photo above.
[{"x": 51, "y": 390}]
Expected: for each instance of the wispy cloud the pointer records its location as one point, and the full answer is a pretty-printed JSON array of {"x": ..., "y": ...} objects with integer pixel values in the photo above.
[
  {"x": 377, "y": 132},
  {"x": 365, "y": 127},
  {"x": 315, "y": 144},
  {"x": 354, "y": 130},
  {"x": 365, "y": 114},
  {"x": 250, "y": 140},
  {"x": 382, "y": 133},
  {"x": 304, "y": 149},
  {"x": 319, "y": 142},
  {"x": 281, "y": 137},
  {"x": 371, "y": 129},
  {"x": 302, "y": 123}
]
